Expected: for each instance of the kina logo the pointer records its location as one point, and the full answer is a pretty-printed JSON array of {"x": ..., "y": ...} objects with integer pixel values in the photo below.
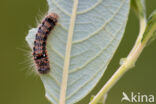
[{"x": 137, "y": 98}]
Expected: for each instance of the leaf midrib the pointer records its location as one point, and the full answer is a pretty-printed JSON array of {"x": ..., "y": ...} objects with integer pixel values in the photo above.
[{"x": 67, "y": 54}]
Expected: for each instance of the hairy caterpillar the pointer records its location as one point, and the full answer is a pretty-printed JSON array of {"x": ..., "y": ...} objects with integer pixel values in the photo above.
[{"x": 39, "y": 50}]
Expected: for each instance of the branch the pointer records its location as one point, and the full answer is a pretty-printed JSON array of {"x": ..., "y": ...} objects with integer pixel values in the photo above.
[{"x": 146, "y": 34}]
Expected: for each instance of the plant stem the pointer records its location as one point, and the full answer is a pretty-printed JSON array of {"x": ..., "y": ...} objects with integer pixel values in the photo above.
[{"x": 128, "y": 63}]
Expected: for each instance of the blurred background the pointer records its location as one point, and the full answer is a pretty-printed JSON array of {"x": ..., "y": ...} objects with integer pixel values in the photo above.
[{"x": 18, "y": 86}]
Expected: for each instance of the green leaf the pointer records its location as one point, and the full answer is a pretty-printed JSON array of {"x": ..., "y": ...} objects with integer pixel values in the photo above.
[
  {"x": 150, "y": 32},
  {"x": 139, "y": 8},
  {"x": 92, "y": 31}
]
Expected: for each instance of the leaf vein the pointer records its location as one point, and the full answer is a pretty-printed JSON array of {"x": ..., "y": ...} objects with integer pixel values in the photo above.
[
  {"x": 57, "y": 5},
  {"x": 94, "y": 33},
  {"x": 89, "y": 9},
  {"x": 98, "y": 54}
]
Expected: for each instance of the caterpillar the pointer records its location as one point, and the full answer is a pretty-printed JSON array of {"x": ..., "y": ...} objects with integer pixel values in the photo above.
[{"x": 40, "y": 55}]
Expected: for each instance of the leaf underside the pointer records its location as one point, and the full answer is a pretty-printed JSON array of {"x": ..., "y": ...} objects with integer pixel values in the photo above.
[{"x": 99, "y": 28}]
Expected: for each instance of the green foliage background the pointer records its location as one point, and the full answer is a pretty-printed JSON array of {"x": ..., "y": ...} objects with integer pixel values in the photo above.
[{"x": 17, "y": 86}]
